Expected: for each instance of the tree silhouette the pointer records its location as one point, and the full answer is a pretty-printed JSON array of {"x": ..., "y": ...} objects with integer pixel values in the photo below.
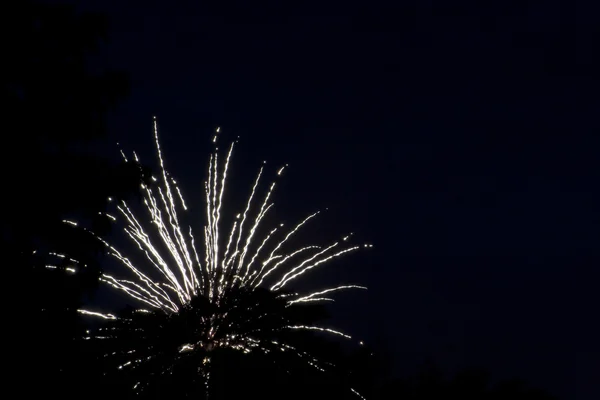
[
  {"x": 55, "y": 103},
  {"x": 230, "y": 346},
  {"x": 469, "y": 384}
]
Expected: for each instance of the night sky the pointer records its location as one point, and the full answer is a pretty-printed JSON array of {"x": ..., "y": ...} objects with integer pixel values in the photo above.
[{"x": 461, "y": 139}]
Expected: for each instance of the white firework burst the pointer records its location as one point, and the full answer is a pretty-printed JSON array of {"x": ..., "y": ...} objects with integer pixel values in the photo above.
[{"x": 232, "y": 259}]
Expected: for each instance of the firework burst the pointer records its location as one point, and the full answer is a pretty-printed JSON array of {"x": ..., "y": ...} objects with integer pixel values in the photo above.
[{"x": 221, "y": 290}]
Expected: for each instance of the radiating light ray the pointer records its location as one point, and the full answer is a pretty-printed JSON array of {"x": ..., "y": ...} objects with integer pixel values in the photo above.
[
  {"x": 262, "y": 245},
  {"x": 356, "y": 393},
  {"x": 312, "y": 295},
  {"x": 245, "y": 214},
  {"x": 131, "y": 292},
  {"x": 225, "y": 264},
  {"x": 281, "y": 262},
  {"x": 299, "y": 267},
  {"x": 308, "y": 300},
  {"x": 97, "y": 314},
  {"x": 320, "y": 329},
  {"x": 170, "y": 208},
  {"x": 218, "y": 210},
  {"x": 263, "y": 210},
  {"x": 305, "y": 269},
  {"x": 290, "y": 234}
]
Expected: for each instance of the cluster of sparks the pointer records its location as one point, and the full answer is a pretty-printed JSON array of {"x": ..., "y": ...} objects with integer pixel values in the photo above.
[{"x": 233, "y": 258}]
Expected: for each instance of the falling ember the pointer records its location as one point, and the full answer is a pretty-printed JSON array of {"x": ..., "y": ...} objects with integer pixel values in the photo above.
[{"x": 232, "y": 258}]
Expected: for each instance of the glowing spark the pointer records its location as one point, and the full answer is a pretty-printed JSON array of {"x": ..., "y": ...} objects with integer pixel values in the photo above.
[
  {"x": 282, "y": 169},
  {"x": 108, "y": 215}
]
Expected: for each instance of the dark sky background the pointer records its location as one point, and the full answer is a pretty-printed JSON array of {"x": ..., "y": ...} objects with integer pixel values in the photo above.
[{"x": 461, "y": 138}]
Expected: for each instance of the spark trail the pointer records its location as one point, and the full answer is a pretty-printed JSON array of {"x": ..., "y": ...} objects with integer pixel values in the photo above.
[{"x": 234, "y": 260}]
